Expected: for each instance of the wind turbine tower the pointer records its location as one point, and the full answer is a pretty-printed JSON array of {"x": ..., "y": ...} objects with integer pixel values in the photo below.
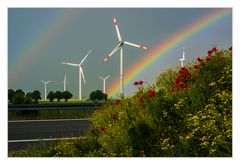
[
  {"x": 183, "y": 57},
  {"x": 45, "y": 87},
  {"x": 104, "y": 79},
  {"x": 120, "y": 46},
  {"x": 81, "y": 75}
]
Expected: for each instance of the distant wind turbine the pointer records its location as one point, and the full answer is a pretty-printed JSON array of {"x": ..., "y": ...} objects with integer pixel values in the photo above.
[
  {"x": 120, "y": 46},
  {"x": 183, "y": 57},
  {"x": 45, "y": 85},
  {"x": 81, "y": 75},
  {"x": 104, "y": 79},
  {"x": 65, "y": 83}
]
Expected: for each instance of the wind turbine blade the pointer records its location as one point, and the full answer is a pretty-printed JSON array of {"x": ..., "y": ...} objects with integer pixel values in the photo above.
[
  {"x": 100, "y": 77},
  {"x": 71, "y": 64},
  {"x": 117, "y": 29},
  {"x": 82, "y": 75},
  {"x": 85, "y": 56},
  {"x": 48, "y": 82},
  {"x": 107, "y": 77},
  {"x": 114, "y": 50},
  {"x": 135, "y": 45}
]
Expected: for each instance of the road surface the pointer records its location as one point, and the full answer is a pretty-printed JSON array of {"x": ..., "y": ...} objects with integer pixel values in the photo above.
[{"x": 22, "y": 133}]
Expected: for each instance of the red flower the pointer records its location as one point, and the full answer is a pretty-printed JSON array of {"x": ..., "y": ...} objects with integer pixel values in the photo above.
[
  {"x": 176, "y": 89},
  {"x": 140, "y": 82},
  {"x": 196, "y": 78},
  {"x": 185, "y": 87},
  {"x": 230, "y": 49},
  {"x": 214, "y": 49},
  {"x": 135, "y": 83},
  {"x": 101, "y": 130},
  {"x": 208, "y": 58},
  {"x": 178, "y": 79},
  {"x": 199, "y": 59},
  {"x": 118, "y": 102},
  {"x": 115, "y": 117},
  {"x": 187, "y": 76},
  {"x": 182, "y": 84},
  {"x": 210, "y": 52},
  {"x": 141, "y": 100},
  {"x": 219, "y": 57},
  {"x": 152, "y": 93},
  {"x": 196, "y": 66}
]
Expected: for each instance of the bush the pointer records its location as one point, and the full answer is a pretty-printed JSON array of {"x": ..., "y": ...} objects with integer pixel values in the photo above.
[{"x": 189, "y": 114}]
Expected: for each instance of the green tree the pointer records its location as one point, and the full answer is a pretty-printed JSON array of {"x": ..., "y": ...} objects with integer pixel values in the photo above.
[
  {"x": 98, "y": 95},
  {"x": 67, "y": 95},
  {"x": 58, "y": 95},
  {"x": 51, "y": 96},
  {"x": 20, "y": 91},
  {"x": 11, "y": 94},
  {"x": 18, "y": 98},
  {"x": 36, "y": 95},
  {"x": 28, "y": 99}
]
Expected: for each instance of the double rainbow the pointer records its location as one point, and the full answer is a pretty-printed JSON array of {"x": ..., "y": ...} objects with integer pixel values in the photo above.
[{"x": 168, "y": 44}]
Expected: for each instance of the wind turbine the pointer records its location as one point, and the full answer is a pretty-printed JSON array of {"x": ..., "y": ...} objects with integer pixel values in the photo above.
[
  {"x": 120, "y": 46},
  {"x": 65, "y": 83},
  {"x": 183, "y": 58},
  {"x": 45, "y": 85},
  {"x": 104, "y": 79},
  {"x": 81, "y": 75}
]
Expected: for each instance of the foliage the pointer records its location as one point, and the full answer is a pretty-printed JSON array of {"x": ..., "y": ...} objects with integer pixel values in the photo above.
[
  {"x": 58, "y": 95},
  {"x": 20, "y": 91},
  {"x": 67, "y": 95},
  {"x": 18, "y": 98},
  {"x": 97, "y": 95},
  {"x": 189, "y": 114},
  {"x": 36, "y": 95},
  {"x": 11, "y": 94},
  {"x": 51, "y": 96}
]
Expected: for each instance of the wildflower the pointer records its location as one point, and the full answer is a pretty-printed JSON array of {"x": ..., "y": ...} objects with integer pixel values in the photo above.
[
  {"x": 182, "y": 84},
  {"x": 115, "y": 117},
  {"x": 135, "y": 83},
  {"x": 141, "y": 100},
  {"x": 176, "y": 89},
  {"x": 101, "y": 130},
  {"x": 199, "y": 59},
  {"x": 219, "y": 57},
  {"x": 118, "y": 102},
  {"x": 178, "y": 79},
  {"x": 210, "y": 52},
  {"x": 152, "y": 93},
  {"x": 214, "y": 49},
  {"x": 196, "y": 78},
  {"x": 208, "y": 58},
  {"x": 140, "y": 82},
  {"x": 196, "y": 66}
]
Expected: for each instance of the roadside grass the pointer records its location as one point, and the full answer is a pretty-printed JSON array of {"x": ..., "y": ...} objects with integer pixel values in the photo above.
[{"x": 51, "y": 114}]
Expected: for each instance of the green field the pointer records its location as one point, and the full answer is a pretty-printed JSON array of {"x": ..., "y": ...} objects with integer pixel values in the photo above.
[{"x": 50, "y": 114}]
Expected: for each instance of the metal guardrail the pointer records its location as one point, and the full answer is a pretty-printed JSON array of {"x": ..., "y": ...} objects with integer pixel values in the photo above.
[{"x": 64, "y": 106}]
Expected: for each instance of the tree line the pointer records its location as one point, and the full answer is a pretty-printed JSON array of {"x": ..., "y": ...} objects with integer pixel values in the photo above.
[{"x": 19, "y": 96}]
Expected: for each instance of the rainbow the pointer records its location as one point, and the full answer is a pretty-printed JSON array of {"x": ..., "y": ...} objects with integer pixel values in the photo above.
[
  {"x": 27, "y": 55},
  {"x": 168, "y": 44}
]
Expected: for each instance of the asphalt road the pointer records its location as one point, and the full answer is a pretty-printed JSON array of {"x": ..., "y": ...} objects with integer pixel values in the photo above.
[{"x": 22, "y": 133}]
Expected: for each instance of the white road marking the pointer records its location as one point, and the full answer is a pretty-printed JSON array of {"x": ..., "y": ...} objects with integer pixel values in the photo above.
[
  {"x": 22, "y": 121},
  {"x": 38, "y": 140}
]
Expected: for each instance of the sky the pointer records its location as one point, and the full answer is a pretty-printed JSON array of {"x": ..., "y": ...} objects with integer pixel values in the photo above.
[{"x": 40, "y": 39}]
